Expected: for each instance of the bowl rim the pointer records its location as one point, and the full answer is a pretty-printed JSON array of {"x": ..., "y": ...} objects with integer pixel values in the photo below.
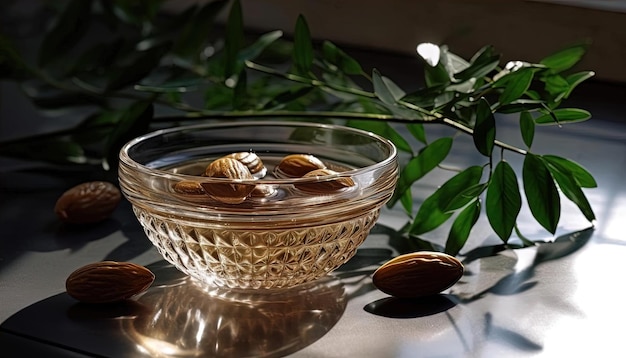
[{"x": 125, "y": 158}]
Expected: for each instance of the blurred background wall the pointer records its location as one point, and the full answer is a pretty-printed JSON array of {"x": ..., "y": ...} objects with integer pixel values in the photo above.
[{"x": 519, "y": 29}]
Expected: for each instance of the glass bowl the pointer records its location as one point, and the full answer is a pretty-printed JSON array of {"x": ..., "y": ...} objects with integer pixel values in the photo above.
[{"x": 282, "y": 231}]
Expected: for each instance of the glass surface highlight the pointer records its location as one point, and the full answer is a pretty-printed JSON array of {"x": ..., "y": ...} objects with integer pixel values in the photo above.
[{"x": 280, "y": 235}]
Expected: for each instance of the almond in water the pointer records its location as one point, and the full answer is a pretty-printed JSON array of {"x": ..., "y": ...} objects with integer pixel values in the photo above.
[
  {"x": 324, "y": 186},
  {"x": 252, "y": 161},
  {"x": 233, "y": 192},
  {"x": 297, "y": 165},
  {"x": 418, "y": 274},
  {"x": 188, "y": 187}
]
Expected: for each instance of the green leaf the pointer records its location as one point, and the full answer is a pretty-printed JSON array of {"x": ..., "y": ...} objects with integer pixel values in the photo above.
[
  {"x": 541, "y": 192},
  {"x": 256, "y": 49},
  {"x": 135, "y": 121},
  {"x": 339, "y": 58},
  {"x": 564, "y": 59},
  {"x": 385, "y": 89},
  {"x": 138, "y": 13},
  {"x": 46, "y": 96},
  {"x": 424, "y": 97},
  {"x": 454, "y": 63},
  {"x": 98, "y": 57},
  {"x": 417, "y": 131},
  {"x": 407, "y": 201},
  {"x": 521, "y": 105},
  {"x": 485, "y": 128},
  {"x": 55, "y": 150},
  {"x": 218, "y": 98},
  {"x": 240, "y": 93},
  {"x": 465, "y": 87},
  {"x": 465, "y": 196},
  {"x": 453, "y": 194},
  {"x": 428, "y": 159},
  {"x": 195, "y": 33},
  {"x": 556, "y": 85},
  {"x": 564, "y": 115},
  {"x": 461, "y": 228},
  {"x": 93, "y": 131},
  {"x": 106, "y": 118},
  {"x": 438, "y": 207},
  {"x": 527, "y": 127},
  {"x": 483, "y": 63},
  {"x": 572, "y": 190},
  {"x": 287, "y": 96},
  {"x": 518, "y": 84},
  {"x": 503, "y": 201},
  {"x": 180, "y": 84},
  {"x": 429, "y": 216},
  {"x": 384, "y": 129},
  {"x": 575, "y": 79},
  {"x": 569, "y": 167},
  {"x": 135, "y": 68},
  {"x": 436, "y": 76},
  {"x": 234, "y": 39},
  {"x": 69, "y": 28},
  {"x": 443, "y": 99},
  {"x": 419, "y": 244},
  {"x": 303, "y": 47}
]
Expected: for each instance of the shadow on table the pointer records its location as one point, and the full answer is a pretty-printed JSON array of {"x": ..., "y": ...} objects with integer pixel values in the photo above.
[
  {"x": 30, "y": 224},
  {"x": 183, "y": 318},
  {"x": 506, "y": 281},
  {"x": 521, "y": 280},
  {"x": 178, "y": 317},
  {"x": 393, "y": 307}
]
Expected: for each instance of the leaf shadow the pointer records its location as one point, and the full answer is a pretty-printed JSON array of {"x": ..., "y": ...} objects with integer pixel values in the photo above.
[
  {"x": 136, "y": 243},
  {"x": 509, "y": 337},
  {"x": 521, "y": 281},
  {"x": 513, "y": 283}
]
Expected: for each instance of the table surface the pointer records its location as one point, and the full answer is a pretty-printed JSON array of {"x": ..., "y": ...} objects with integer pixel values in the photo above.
[{"x": 555, "y": 299}]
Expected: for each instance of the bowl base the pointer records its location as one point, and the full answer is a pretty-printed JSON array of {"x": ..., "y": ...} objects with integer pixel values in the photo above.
[{"x": 255, "y": 258}]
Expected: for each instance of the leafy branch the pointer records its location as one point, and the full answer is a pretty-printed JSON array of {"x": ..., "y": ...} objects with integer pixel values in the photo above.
[{"x": 199, "y": 71}]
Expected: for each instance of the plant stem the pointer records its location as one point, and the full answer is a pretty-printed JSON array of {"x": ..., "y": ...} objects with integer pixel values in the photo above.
[
  {"x": 438, "y": 118},
  {"x": 308, "y": 81},
  {"x": 278, "y": 114}
]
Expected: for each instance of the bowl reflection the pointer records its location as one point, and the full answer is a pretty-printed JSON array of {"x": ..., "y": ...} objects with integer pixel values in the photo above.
[{"x": 190, "y": 319}]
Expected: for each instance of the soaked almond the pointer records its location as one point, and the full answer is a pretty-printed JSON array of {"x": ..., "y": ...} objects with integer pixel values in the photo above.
[
  {"x": 252, "y": 161},
  {"x": 325, "y": 186},
  {"x": 297, "y": 165},
  {"x": 188, "y": 187},
  {"x": 229, "y": 193}
]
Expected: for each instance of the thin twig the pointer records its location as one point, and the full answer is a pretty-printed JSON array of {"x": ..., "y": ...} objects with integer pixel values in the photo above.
[{"x": 438, "y": 118}]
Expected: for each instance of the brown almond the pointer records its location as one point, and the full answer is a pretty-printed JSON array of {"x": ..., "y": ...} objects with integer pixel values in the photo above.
[
  {"x": 88, "y": 202},
  {"x": 325, "y": 186},
  {"x": 188, "y": 187},
  {"x": 108, "y": 281},
  {"x": 418, "y": 274},
  {"x": 263, "y": 191},
  {"x": 229, "y": 193},
  {"x": 297, "y": 165},
  {"x": 252, "y": 161}
]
